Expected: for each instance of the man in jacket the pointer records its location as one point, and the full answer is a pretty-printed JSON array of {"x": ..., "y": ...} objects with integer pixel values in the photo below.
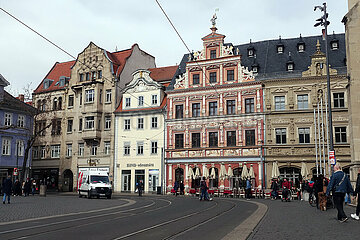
[
  {"x": 340, "y": 185},
  {"x": 357, "y": 194},
  {"x": 7, "y": 187}
]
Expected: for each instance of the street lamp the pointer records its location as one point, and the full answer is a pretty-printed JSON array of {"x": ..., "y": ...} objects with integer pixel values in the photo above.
[{"x": 323, "y": 21}]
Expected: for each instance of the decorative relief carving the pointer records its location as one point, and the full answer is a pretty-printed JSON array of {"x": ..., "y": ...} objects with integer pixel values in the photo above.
[
  {"x": 199, "y": 55},
  {"x": 195, "y": 153},
  {"x": 194, "y": 69},
  {"x": 212, "y": 67},
  {"x": 245, "y": 74},
  {"x": 179, "y": 99},
  {"x": 227, "y": 51},
  {"x": 249, "y": 152},
  {"x": 179, "y": 154},
  {"x": 213, "y": 153},
  {"x": 340, "y": 119},
  {"x": 249, "y": 92},
  {"x": 212, "y": 96},
  {"x": 180, "y": 81},
  {"x": 249, "y": 123},
  {"x": 231, "y": 152}
]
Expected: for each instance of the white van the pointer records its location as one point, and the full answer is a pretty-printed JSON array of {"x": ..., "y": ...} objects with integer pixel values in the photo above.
[{"x": 94, "y": 182}]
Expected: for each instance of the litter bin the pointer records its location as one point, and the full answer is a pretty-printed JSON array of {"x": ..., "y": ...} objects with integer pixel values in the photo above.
[
  {"x": 42, "y": 190},
  {"x": 158, "y": 190}
]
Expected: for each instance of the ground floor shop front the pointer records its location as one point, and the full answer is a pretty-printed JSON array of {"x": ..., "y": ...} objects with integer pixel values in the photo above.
[{"x": 224, "y": 174}]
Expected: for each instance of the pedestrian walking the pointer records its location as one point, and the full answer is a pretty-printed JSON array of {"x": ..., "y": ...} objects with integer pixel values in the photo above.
[
  {"x": 339, "y": 185},
  {"x": 33, "y": 187},
  {"x": 140, "y": 187},
  {"x": 203, "y": 189},
  {"x": 27, "y": 187},
  {"x": 274, "y": 189},
  {"x": 318, "y": 188},
  {"x": 176, "y": 187},
  {"x": 248, "y": 188},
  {"x": 182, "y": 188},
  {"x": 17, "y": 188},
  {"x": 357, "y": 195},
  {"x": 7, "y": 188}
]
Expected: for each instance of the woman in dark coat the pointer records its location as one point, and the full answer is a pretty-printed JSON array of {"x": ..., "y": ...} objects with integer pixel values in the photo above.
[{"x": 357, "y": 195}]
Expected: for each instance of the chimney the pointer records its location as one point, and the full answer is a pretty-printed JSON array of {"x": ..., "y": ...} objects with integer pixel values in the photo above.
[{"x": 21, "y": 97}]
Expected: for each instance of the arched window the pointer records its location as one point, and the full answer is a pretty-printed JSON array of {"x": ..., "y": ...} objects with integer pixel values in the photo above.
[
  {"x": 179, "y": 175},
  {"x": 39, "y": 104},
  {"x": 55, "y": 104},
  {"x": 214, "y": 182},
  {"x": 43, "y": 106},
  {"x": 60, "y": 103}
]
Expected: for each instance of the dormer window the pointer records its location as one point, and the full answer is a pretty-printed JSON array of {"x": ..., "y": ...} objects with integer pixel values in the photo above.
[
  {"x": 212, "y": 54},
  {"x": 127, "y": 102},
  {"x": 280, "y": 49},
  {"x": 334, "y": 45},
  {"x": 290, "y": 67},
  {"x": 255, "y": 69},
  {"x": 47, "y": 83},
  {"x": 251, "y": 52},
  {"x": 301, "y": 47}
]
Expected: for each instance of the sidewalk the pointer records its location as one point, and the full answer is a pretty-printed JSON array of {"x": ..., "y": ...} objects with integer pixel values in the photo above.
[{"x": 298, "y": 220}]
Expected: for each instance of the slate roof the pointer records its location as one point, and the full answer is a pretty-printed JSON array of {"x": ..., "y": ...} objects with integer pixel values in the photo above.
[
  {"x": 15, "y": 105},
  {"x": 273, "y": 65},
  {"x": 3, "y": 81}
]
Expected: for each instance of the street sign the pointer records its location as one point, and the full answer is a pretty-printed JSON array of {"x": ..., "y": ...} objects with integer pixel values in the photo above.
[
  {"x": 332, "y": 159},
  {"x": 15, "y": 173}
]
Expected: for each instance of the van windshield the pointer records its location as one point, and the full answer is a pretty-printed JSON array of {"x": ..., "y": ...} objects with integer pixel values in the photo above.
[{"x": 99, "y": 179}]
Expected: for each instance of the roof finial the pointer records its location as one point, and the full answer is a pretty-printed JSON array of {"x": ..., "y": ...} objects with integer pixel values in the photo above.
[
  {"x": 213, "y": 21},
  {"x": 116, "y": 49},
  {"x": 318, "y": 46}
]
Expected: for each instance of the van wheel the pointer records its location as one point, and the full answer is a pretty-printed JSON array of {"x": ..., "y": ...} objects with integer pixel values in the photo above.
[{"x": 88, "y": 195}]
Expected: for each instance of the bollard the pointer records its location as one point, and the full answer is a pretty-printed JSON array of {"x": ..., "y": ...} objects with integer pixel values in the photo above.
[{"x": 42, "y": 190}]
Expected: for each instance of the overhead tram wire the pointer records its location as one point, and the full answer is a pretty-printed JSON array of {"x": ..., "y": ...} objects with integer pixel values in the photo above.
[{"x": 63, "y": 50}]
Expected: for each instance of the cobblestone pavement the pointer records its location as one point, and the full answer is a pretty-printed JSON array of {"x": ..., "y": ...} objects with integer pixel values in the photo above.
[
  {"x": 298, "y": 220},
  {"x": 35, "y": 206}
]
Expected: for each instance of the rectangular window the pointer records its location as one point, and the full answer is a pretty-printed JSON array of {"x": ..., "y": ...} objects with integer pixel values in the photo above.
[
  {"x": 212, "y": 108},
  {"x": 71, "y": 101},
  {"x": 100, "y": 74},
  {"x": 196, "y": 79},
  {"x": 8, "y": 119},
  {"x": 231, "y": 138},
  {"x": 196, "y": 109},
  {"x": 42, "y": 152},
  {"x": 230, "y": 75},
  {"x": 81, "y": 76},
  {"x": 89, "y": 96},
  {"x": 280, "y": 103},
  {"x": 80, "y": 98},
  {"x": 108, "y": 96},
  {"x": 107, "y": 122},
  {"x": 195, "y": 140},
  {"x": 127, "y": 124},
  {"x": 126, "y": 148},
  {"x": 340, "y": 135},
  {"x": 213, "y": 139},
  {"x": 303, "y": 101},
  {"x": 154, "y": 122},
  {"x": 87, "y": 76},
  {"x": 179, "y": 140},
  {"x": 6, "y": 146},
  {"x": 90, "y": 122},
  {"x": 107, "y": 148},
  {"x": 20, "y": 148},
  {"x": 21, "y": 121},
  {"x": 55, "y": 151},
  {"x": 56, "y": 127},
  {"x": 154, "y": 147},
  {"x": 36, "y": 152},
  {"x": 100, "y": 96},
  {"x": 179, "y": 111},
  {"x": 68, "y": 150},
  {"x": 93, "y": 75},
  {"x": 280, "y": 135},
  {"x": 80, "y": 124},
  {"x": 212, "y": 77},
  {"x": 140, "y": 148},
  {"x": 230, "y": 107},
  {"x": 94, "y": 149},
  {"x": 141, "y": 100},
  {"x": 249, "y": 105},
  {"x": 154, "y": 99},
  {"x": 304, "y": 135},
  {"x": 250, "y": 137},
  {"x": 140, "y": 123},
  {"x": 212, "y": 54},
  {"x": 69, "y": 125},
  {"x": 81, "y": 149},
  {"x": 339, "y": 100},
  {"x": 127, "y": 102}
]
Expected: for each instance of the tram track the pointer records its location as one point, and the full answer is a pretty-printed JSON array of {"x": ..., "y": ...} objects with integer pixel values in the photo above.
[{"x": 127, "y": 213}]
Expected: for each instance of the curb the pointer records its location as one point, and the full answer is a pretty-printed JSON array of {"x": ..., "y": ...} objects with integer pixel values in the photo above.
[{"x": 243, "y": 231}]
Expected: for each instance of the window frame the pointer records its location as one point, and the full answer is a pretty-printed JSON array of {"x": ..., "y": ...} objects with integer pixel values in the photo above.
[
  {"x": 250, "y": 137},
  {"x": 140, "y": 123},
  {"x": 340, "y": 135},
  {"x": 154, "y": 147},
  {"x": 213, "y": 139},
  {"x": 127, "y": 102},
  {"x": 231, "y": 104},
  {"x": 140, "y": 148},
  {"x": 71, "y": 101},
  {"x": 197, "y": 78},
  {"x": 230, "y": 75},
  {"x": 196, "y": 109},
  {"x": 179, "y": 141},
  {"x": 127, "y": 124},
  {"x": 21, "y": 121},
  {"x": 213, "y": 108},
  {"x": 196, "y": 140},
  {"x": 107, "y": 123},
  {"x": 154, "y": 122},
  {"x": 8, "y": 119},
  {"x": 89, "y": 95},
  {"x": 68, "y": 150},
  {"x": 154, "y": 99},
  {"x": 213, "y": 77},
  {"x": 179, "y": 111},
  {"x": 301, "y": 103},
  {"x": 107, "y": 147},
  {"x": 81, "y": 149},
  {"x": 126, "y": 149},
  {"x": 339, "y": 101},
  {"x": 304, "y": 135},
  {"x": 141, "y": 101},
  {"x": 249, "y": 105},
  {"x": 231, "y": 138},
  {"x": 89, "y": 122},
  {"x": 70, "y": 124},
  {"x": 55, "y": 151},
  {"x": 280, "y": 138},
  {"x": 108, "y": 95},
  {"x": 6, "y": 146},
  {"x": 279, "y": 105}
]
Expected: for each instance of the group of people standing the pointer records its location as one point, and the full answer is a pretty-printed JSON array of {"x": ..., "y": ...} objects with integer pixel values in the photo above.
[{"x": 18, "y": 188}]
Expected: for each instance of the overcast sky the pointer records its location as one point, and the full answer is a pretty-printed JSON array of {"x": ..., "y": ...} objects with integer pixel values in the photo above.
[{"x": 72, "y": 24}]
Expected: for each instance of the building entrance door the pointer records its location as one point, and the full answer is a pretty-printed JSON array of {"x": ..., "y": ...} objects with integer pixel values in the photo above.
[
  {"x": 153, "y": 179},
  {"x": 126, "y": 181}
]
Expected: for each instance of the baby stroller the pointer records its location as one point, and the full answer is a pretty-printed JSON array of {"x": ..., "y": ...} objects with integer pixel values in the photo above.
[{"x": 285, "y": 196}]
